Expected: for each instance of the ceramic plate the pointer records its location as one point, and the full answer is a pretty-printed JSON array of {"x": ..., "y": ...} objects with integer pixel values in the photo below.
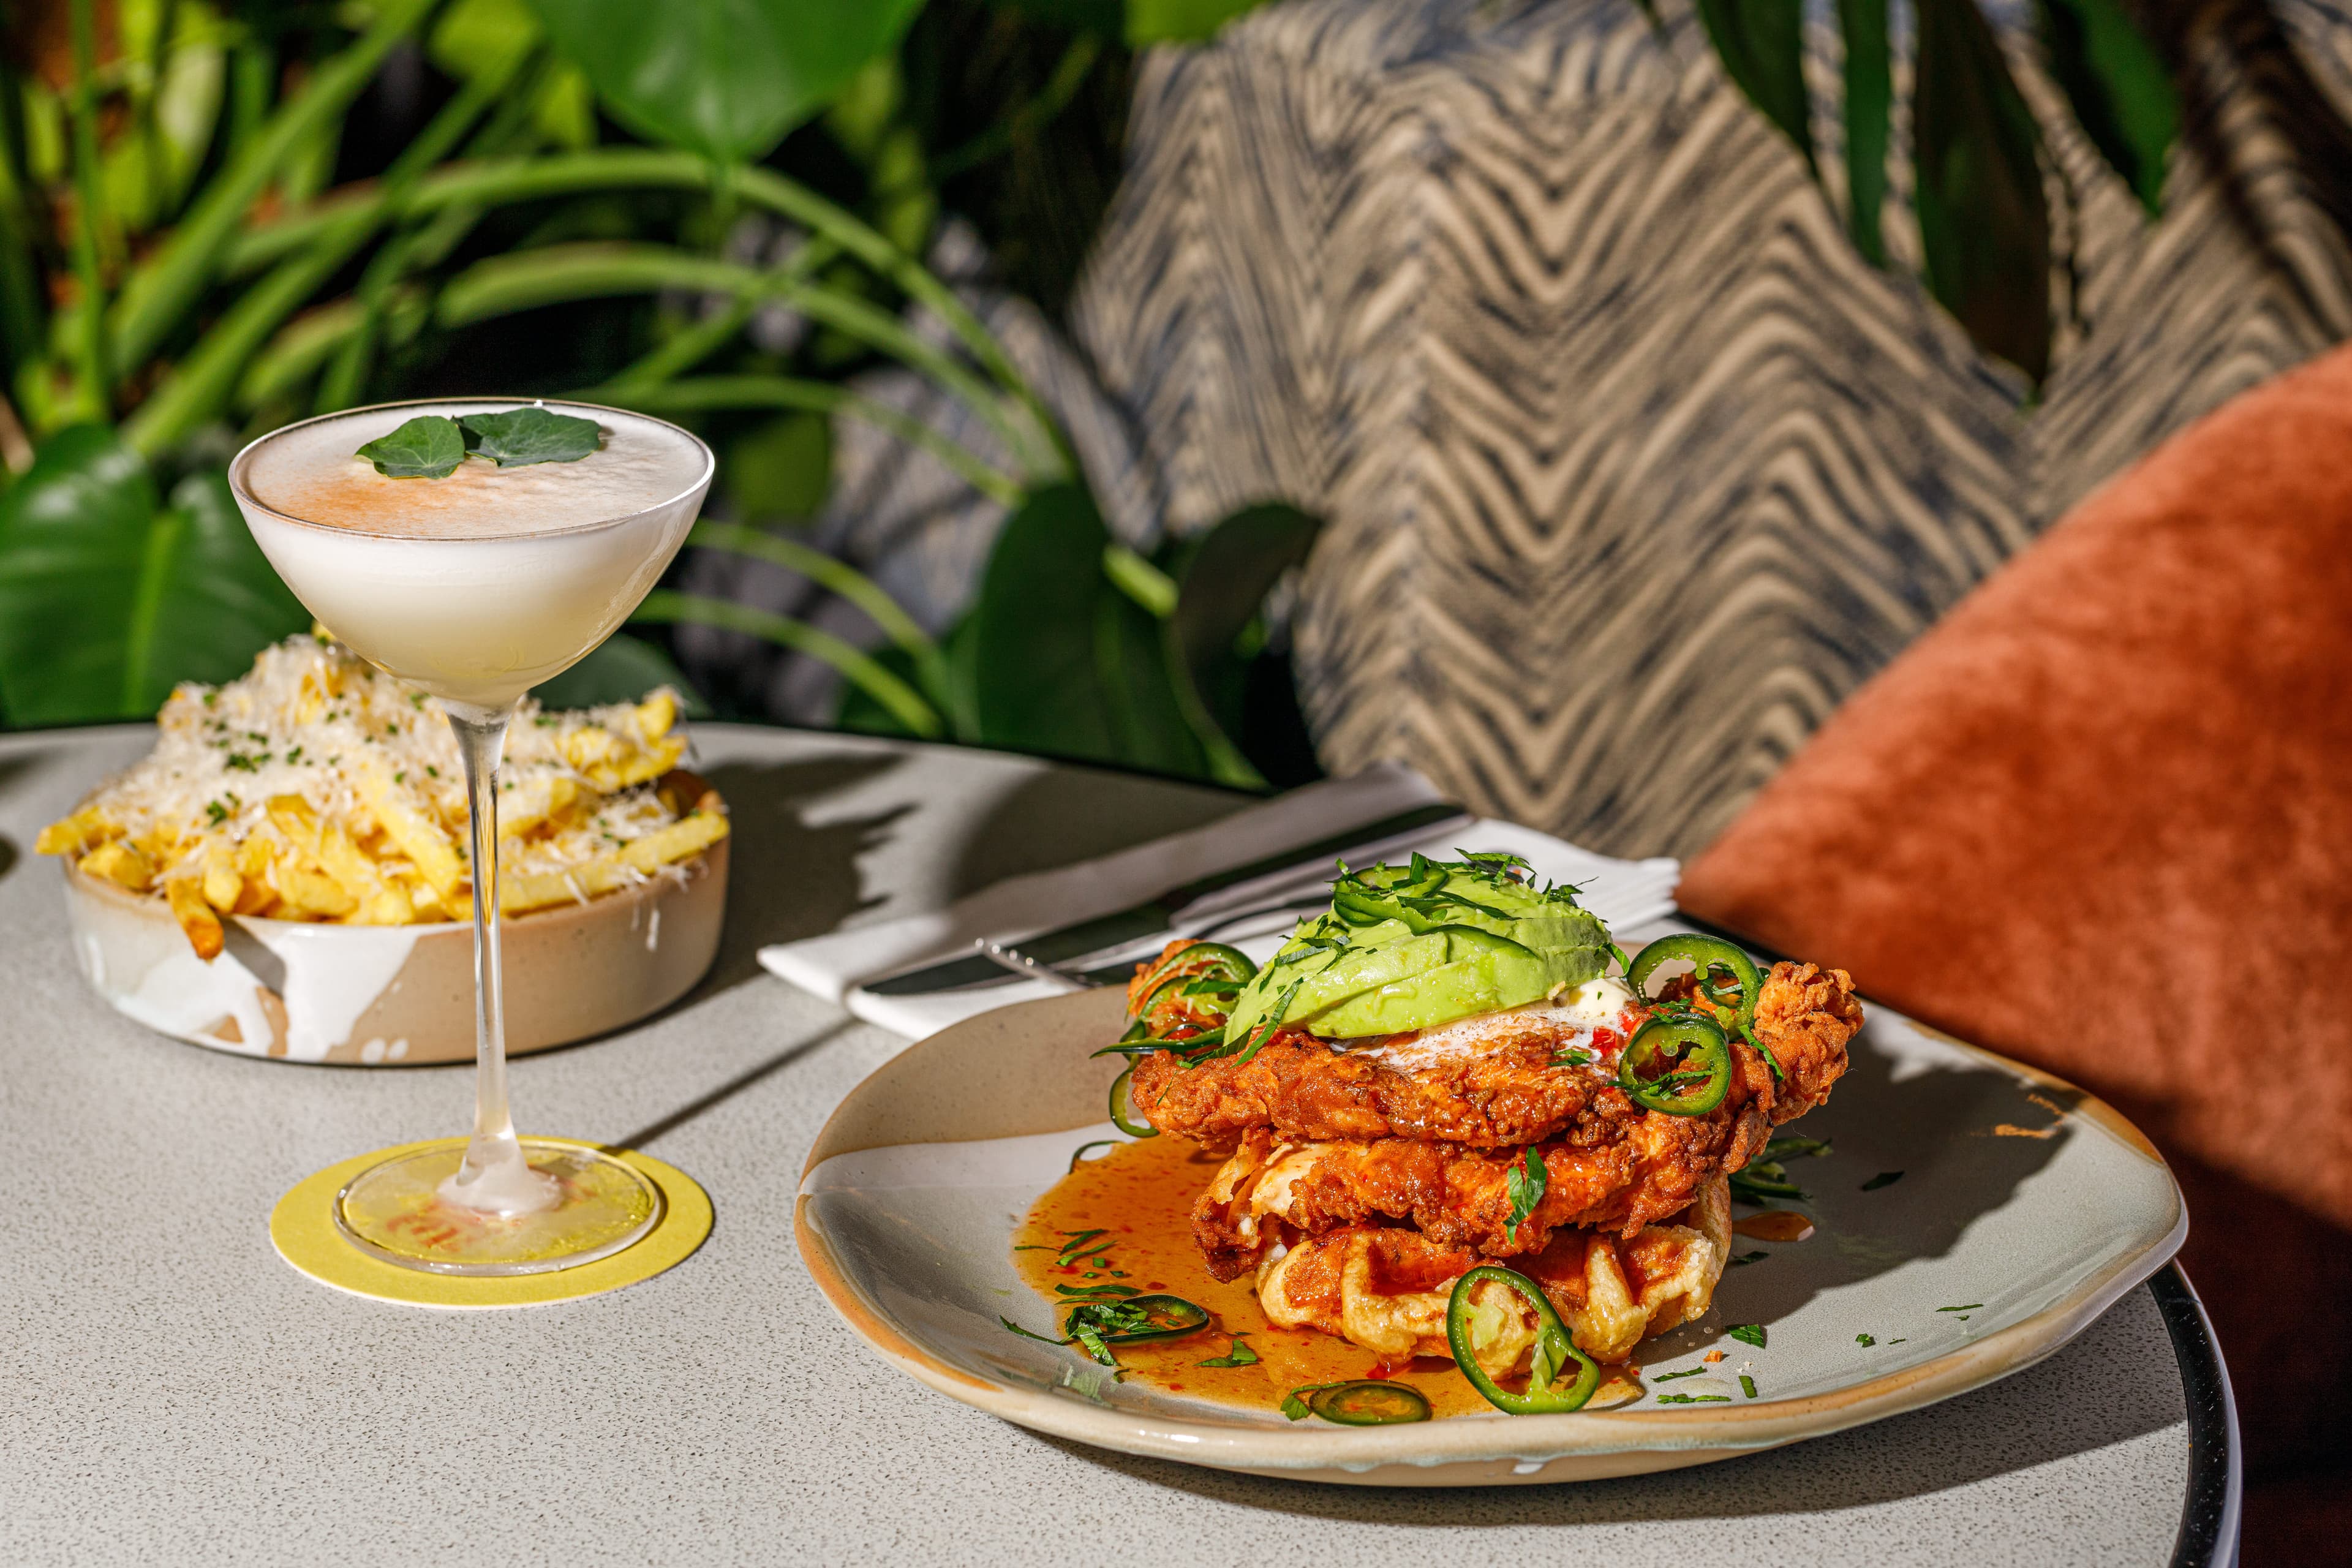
[{"x": 2021, "y": 1197}]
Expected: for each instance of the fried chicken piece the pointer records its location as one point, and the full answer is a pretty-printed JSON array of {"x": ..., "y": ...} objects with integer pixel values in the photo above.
[
  {"x": 1804, "y": 1016},
  {"x": 1387, "y": 1287},
  {"x": 1617, "y": 1175},
  {"x": 1494, "y": 1082}
]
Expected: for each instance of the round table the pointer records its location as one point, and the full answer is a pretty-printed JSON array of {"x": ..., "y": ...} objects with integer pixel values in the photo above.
[{"x": 174, "y": 1391}]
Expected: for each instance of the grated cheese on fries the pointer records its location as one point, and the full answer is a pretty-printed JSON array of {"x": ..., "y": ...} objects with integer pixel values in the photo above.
[{"x": 316, "y": 787}]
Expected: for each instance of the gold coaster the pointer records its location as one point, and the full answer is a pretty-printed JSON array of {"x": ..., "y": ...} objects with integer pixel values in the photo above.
[{"x": 302, "y": 1228}]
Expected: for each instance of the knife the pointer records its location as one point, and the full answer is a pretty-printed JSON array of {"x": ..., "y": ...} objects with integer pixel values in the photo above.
[{"x": 1153, "y": 915}]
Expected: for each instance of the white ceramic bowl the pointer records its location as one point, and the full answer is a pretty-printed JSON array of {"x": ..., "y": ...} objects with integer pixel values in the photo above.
[{"x": 395, "y": 995}]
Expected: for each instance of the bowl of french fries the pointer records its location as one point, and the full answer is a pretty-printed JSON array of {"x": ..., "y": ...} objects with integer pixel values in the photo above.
[{"x": 286, "y": 875}]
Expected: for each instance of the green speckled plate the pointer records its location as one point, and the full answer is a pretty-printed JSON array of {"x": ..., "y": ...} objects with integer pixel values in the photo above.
[{"x": 2019, "y": 1194}]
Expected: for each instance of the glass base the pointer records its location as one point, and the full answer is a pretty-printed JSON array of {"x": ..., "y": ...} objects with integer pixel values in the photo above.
[{"x": 394, "y": 1211}]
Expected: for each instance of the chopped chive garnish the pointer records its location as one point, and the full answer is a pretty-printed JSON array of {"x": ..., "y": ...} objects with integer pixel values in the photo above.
[
  {"x": 1748, "y": 1386},
  {"x": 1025, "y": 1334},
  {"x": 1971, "y": 1307},
  {"x": 1748, "y": 1334},
  {"x": 1884, "y": 1179},
  {"x": 1694, "y": 1399},
  {"x": 1669, "y": 1376}
]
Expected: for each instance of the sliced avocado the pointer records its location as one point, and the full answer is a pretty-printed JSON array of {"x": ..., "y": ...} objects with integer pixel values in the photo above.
[{"x": 1416, "y": 946}]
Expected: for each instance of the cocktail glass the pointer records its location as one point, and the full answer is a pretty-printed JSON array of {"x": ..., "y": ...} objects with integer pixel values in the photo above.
[{"x": 476, "y": 619}]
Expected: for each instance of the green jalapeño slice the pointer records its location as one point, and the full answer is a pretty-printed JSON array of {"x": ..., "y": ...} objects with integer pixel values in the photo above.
[
  {"x": 1555, "y": 1352},
  {"x": 1681, "y": 1066}
]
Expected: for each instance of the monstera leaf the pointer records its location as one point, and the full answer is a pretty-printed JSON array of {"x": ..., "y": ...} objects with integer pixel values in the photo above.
[
  {"x": 107, "y": 598},
  {"x": 1057, "y": 659},
  {"x": 724, "y": 78}
]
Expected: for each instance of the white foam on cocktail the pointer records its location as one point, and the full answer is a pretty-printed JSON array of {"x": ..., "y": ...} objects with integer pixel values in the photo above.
[
  {"x": 480, "y": 585},
  {"x": 313, "y": 472}
]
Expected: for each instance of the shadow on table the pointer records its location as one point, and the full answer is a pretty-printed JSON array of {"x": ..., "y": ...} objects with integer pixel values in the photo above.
[
  {"x": 2033, "y": 1419},
  {"x": 1965, "y": 1139},
  {"x": 1067, "y": 814},
  {"x": 787, "y": 880}
]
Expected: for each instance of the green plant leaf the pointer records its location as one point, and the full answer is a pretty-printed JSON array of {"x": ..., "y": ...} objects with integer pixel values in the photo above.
[
  {"x": 2121, "y": 93},
  {"x": 429, "y": 447},
  {"x": 1761, "y": 46},
  {"x": 521, "y": 436},
  {"x": 1984, "y": 221},
  {"x": 620, "y": 669},
  {"x": 781, "y": 469},
  {"x": 1057, "y": 659},
  {"x": 1869, "y": 98},
  {"x": 1181, "y": 21},
  {"x": 1225, "y": 578},
  {"x": 724, "y": 78},
  {"x": 108, "y": 599}
]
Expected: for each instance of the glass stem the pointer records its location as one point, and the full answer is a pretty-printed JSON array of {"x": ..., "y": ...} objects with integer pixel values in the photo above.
[{"x": 494, "y": 1177}]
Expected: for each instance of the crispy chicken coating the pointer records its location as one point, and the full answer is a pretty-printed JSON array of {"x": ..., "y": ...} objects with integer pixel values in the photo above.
[
  {"x": 1504, "y": 1089},
  {"x": 1614, "y": 1174}
]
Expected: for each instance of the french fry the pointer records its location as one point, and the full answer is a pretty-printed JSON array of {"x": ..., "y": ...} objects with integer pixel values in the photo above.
[
  {"x": 688, "y": 836},
  {"x": 419, "y": 838},
  {"x": 120, "y": 862},
  {"x": 312, "y": 894},
  {"x": 378, "y": 902},
  {"x": 223, "y": 886},
  {"x": 655, "y": 715},
  {"x": 255, "y": 857},
  {"x": 186, "y": 897},
  {"x": 77, "y": 835}
]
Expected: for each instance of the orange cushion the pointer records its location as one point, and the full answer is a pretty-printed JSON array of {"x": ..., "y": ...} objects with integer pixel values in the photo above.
[{"x": 2100, "y": 818}]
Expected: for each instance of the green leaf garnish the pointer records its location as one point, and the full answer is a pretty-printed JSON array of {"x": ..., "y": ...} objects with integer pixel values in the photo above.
[
  {"x": 1527, "y": 1187},
  {"x": 429, "y": 447},
  {"x": 1748, "y": 1334},
  {"x": 1240, "y": 1355},
  {"x": 1967, "y": 1306},
  {"x": 1669, "y": 1376},
  {"x": 1865, "y": 1341},
  {"x": 1694, "y": 1398},
  {"x": 1748, "y": 1386},
  {"x": 1294, "y": 1403},
  {"x": 521, "y": 436},
  {"x": 1884, "y": 1179}
]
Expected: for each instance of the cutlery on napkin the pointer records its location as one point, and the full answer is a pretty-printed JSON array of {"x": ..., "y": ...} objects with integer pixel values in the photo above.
[{"x": 840, "y": 966}]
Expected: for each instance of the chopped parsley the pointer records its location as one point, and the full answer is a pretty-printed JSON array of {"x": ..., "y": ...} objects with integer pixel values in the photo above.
[
  {"x": 1748, "y": 1334},
  {"x": 1884, "y": 1179},
  {"x": 400, "y": 777},
  {"x": 215, "y": 813},
  {"x": 245, "y": 761},
  {"x": 1748, "y": 1386},
  {"x": 1865, "y": 1341}
]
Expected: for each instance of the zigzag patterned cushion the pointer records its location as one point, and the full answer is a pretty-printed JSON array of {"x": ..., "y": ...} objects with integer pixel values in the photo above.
[{"x": 1634, "y": 469}]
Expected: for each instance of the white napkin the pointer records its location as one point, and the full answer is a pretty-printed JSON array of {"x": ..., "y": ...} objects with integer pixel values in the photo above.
[{"x": 1621, "y": 892}]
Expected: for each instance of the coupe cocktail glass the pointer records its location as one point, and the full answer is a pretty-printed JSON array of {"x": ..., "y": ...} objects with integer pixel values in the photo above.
[{"x": 476, "y": 588}]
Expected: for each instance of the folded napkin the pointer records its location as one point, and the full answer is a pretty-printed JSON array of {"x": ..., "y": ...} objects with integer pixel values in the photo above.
[{"x": 1621, "y": 892}]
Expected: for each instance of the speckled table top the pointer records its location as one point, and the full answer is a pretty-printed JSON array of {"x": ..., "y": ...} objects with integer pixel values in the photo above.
[{"x": 171, "y": 1392}]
